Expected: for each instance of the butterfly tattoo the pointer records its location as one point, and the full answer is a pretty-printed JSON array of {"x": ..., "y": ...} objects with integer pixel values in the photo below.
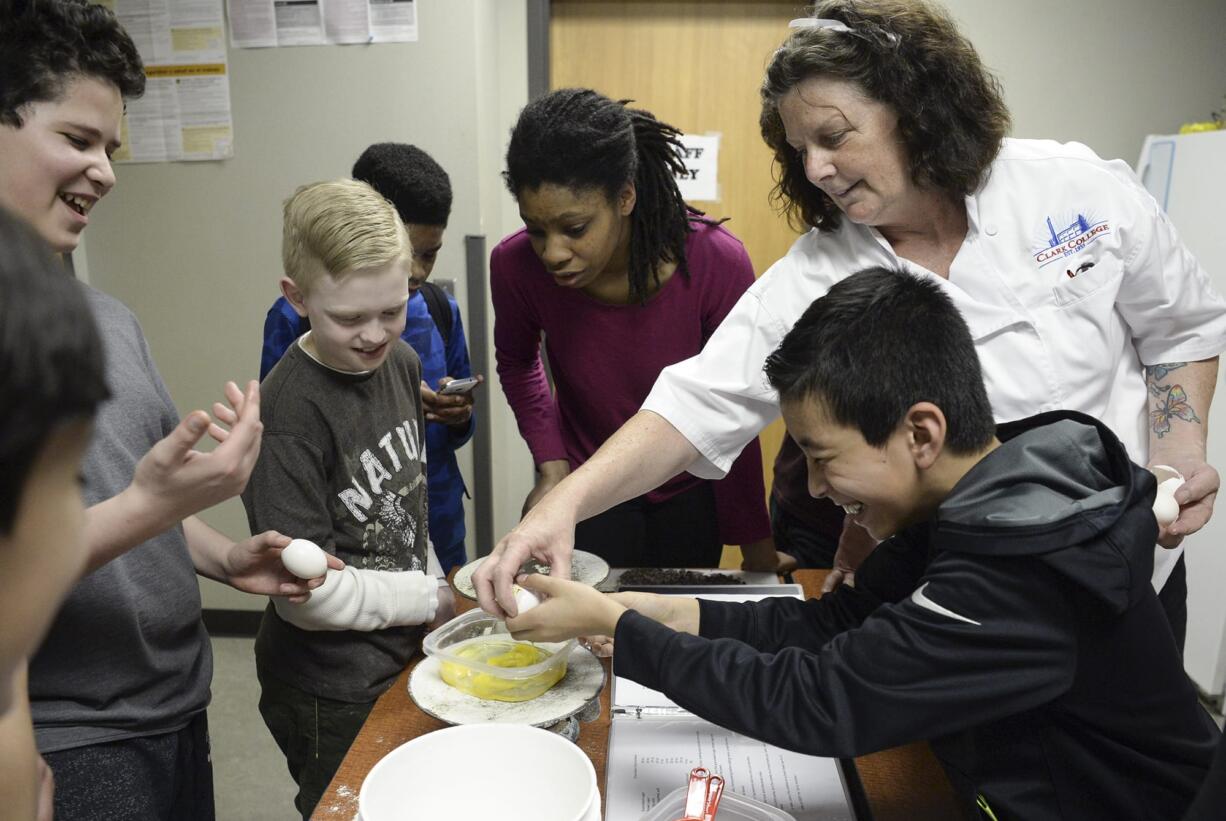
[
  {"x": 1176, "y": 406},
  {"x": 1154, "y": 374}
]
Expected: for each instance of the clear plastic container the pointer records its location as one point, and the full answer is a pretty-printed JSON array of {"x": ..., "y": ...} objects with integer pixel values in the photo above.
[
  {"x": 732, "y": 807},
  {"x": 478, "y": 656}
]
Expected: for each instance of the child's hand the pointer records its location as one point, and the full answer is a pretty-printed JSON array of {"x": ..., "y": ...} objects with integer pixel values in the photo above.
[
  {"x": 254, "y": 566},
  {"x": 175, "y": 480},
  {"x": 455, "y": 409},
  {"x": 568, "y": 609}
]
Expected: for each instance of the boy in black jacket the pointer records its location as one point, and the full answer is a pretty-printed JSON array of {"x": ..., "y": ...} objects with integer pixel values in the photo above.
[{"x": 1007, "y": 618}]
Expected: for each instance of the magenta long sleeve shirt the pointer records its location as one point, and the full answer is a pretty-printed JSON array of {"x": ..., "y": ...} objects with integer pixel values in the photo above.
[{"x": 604, "y": 359}]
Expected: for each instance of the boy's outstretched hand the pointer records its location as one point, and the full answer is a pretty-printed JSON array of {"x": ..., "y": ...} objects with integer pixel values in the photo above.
[
  {"x": 180, "y": 480},
  {"x": 174, "y": 480},
  {"x": 254, "y": 566},
  {"x": 567, "y": 609}
]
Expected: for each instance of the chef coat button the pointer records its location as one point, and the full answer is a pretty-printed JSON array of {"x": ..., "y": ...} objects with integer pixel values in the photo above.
[{"x": 989, "y": 229}]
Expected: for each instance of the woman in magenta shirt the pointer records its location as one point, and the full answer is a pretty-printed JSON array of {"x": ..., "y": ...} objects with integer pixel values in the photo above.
[{"x": 621, "y": 278}]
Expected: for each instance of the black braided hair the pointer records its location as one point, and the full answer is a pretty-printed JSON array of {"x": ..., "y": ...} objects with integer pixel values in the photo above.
[{"x": 580, "y": 139}]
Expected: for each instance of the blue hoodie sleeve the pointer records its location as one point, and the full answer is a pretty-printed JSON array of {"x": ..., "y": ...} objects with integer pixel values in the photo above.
[
  {"x": 281, "y": 328},
  {"x": 998, "y": 641},
  {"x": 458, "y": 366}
]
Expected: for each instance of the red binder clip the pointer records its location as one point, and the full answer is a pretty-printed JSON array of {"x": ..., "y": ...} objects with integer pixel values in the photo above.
[{"x": 702, "y": 799}]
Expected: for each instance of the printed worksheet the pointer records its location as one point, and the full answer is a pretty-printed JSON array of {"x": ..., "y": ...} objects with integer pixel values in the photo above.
[{"x": 651, "y": 757}]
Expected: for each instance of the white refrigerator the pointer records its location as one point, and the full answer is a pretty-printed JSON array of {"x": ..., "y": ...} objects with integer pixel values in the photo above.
[{"x": 1187, "y": 175}]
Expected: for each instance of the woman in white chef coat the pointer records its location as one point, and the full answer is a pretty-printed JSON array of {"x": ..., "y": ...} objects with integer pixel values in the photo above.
[{"x": 889, "y": 138}]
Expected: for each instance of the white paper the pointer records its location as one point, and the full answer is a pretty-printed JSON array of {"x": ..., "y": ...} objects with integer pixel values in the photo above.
[
  {"x": 299, "y": 23},
  {"x": 393, "y": 21},
  {"x": 700, "y": 153},
  {"x": 148, "y": 24},
  {"x": 651, "y": 757},
  {"x": 253, "y": 23},
  {"x": 347, "y": 21},
  {"x": 185, "y": 111},
  {"x": 266, "y": 23}
]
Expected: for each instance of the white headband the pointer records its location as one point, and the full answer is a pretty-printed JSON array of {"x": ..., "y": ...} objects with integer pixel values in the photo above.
[
  {"x": 818, "y": 23},
  {"x": 834, "y": 25}
]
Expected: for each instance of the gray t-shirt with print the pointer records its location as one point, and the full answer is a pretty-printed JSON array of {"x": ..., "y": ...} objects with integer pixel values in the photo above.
[{"x": 343, "y": 463}]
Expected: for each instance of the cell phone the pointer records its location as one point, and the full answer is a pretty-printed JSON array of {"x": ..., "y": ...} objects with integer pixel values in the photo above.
[{"x": 459, "y": 386}]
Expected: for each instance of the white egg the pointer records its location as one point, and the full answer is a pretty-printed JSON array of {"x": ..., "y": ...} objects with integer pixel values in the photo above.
[
  {"x": 525, "y": 600},
  {"x": 305, "y": 559},
  {"x": 1170, "y": 485},
  {"x": 1166, "y": 509}
]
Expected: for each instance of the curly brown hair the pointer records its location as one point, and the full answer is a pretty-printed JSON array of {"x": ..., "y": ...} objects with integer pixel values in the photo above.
[{"x": 909, "y": 55}]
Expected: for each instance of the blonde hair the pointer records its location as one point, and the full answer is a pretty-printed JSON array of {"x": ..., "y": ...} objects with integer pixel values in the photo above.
[{"x": 344, "y": 226}]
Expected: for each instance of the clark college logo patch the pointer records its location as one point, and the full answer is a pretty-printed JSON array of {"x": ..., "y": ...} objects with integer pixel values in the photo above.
[{"x": 1066, "y": 236}]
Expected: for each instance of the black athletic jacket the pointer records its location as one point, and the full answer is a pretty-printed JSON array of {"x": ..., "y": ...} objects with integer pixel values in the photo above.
[{"x": 1018, "y": 632}]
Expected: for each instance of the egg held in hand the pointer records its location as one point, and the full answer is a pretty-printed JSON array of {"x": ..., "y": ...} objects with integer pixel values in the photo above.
[
  {"x": 525, "y": 599},
  {"x": 1166, "y": 509},
  {"x": 305, "y": 559}
]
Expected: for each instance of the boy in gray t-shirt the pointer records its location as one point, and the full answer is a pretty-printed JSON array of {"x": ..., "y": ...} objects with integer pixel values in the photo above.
[{"x": 343, "y": 464}]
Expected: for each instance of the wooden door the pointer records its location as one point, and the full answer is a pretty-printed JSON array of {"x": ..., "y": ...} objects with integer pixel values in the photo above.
[{"x": 698, "y": 66}]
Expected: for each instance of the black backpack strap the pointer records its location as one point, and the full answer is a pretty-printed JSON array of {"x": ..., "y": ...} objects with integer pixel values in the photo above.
[{"x": 440, "y": 309}]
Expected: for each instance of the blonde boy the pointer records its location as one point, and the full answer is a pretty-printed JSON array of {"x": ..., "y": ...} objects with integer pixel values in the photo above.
[{"x": 343, "y": 464}]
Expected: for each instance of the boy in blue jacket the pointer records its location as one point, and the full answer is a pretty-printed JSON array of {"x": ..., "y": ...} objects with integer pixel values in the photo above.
[
  {"x": 1007, "y": 617},
  {"x": 421, "y": 192}
]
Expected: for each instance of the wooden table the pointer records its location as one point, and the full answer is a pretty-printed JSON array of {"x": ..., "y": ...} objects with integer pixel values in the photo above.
[{"x": 902, "y": 784}]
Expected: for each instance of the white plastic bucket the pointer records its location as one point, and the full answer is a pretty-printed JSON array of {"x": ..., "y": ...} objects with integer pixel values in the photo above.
[{"x": 508, "y": 772}]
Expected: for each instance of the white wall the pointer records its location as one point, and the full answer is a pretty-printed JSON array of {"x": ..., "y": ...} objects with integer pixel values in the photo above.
[
  {"x": 194, "y": 248},
  {"x": 1101, "y": 72}
]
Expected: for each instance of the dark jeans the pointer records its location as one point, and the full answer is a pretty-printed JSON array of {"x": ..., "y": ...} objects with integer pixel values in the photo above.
[
  {"x": 809, "y": 547},
  {"x": 678, "y": 532},
  {"x": 1174, "y": 599},
  {"x": 314, "y": 733},
  {"x": 167, "y": 777}
]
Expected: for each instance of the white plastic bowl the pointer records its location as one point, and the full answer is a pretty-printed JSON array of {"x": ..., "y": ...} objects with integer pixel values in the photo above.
[{"x": 508, "y": 772}]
